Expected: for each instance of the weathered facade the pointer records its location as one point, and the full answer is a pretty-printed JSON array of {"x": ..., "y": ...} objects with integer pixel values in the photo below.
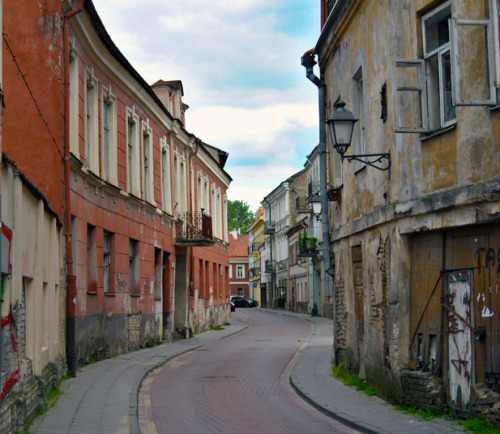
[
  {"x": 117, "y": 213},
  {"x": 416, "y": 247},
  {"x": 238, "y": 264},
  {"x": 279, "y": 208},
  {"x": 256, "y": 244},
  {"x": 148, "y": 203}
]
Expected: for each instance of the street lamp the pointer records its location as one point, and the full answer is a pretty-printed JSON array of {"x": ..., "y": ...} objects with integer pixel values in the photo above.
[
  {"x": 341, "y": 126},
  {"x": 316, "y": 206}
]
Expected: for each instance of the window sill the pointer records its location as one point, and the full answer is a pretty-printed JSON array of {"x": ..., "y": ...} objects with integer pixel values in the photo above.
[
  {"x": 135, "y": 295},
  {"x": 109, "y": 294},
  {"x": 438, "y": 132},
  {"x": 92, "y": 292}
]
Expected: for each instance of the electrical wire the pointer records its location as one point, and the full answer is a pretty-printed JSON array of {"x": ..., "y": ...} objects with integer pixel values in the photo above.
[{"x": 31, "y": 94}]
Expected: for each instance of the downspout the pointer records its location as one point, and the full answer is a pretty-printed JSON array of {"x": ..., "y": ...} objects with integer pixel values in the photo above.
[
  {"x": 308, "y": 62},
  {"x": 191, "y": 249},
  {"x": 71, "y": 277},
  {"x": 270, "y": 255}
]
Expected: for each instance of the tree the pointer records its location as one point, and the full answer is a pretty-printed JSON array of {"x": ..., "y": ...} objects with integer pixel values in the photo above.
[{"x": 239, "y": 216}]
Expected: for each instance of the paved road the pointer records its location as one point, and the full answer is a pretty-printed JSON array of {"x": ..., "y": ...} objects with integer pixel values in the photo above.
[{"x": 239, "y": 384}]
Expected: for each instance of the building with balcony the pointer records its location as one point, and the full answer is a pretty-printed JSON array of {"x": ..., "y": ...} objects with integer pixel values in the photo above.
[
  {"x": 279, "y": 208},
  {"x": 256, "y": 246},
  {"x": 128, "y": 208},
  {"x": 415, "y": 246}
]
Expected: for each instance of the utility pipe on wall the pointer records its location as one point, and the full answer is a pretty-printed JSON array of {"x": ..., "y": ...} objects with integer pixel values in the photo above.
[
  {"x": 308, "y": 62},
  {"x": 71, "y": 277}
]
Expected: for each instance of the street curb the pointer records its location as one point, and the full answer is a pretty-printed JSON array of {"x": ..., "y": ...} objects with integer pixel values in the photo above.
[
  {"x": 134, "y": 396},
  {"x": 328, "y": 412}
]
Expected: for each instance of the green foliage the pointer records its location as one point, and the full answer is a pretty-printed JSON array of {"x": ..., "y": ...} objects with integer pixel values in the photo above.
[
  {"x": 414, "y": 411},
  {"x": 307, "y": 244},
  {"x": 239, "y": 216},
  {"x": 217, "y": 328},
  {"x": 479, "y": 426},
  {"x": 351, "y": 380}
]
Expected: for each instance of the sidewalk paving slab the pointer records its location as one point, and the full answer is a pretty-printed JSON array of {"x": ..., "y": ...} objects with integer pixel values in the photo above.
[{"x": 104, "y": 396}]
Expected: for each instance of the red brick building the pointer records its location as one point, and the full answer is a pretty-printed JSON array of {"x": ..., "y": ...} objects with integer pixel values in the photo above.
[
  {"x": 238, "y": 264},
  {"x": 142, "y": 202}
]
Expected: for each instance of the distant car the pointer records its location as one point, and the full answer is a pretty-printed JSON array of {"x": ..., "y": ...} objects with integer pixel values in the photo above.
[
  {"x": 242, "y": 301},
  {"x": 233, "y": 307}
]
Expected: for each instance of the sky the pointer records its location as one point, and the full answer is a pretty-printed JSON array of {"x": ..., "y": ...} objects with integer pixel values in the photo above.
[{"x": 239, "y": 63}]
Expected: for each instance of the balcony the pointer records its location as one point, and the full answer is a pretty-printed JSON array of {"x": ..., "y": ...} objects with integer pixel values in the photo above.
[
  {"x": 308, "y": 246},
  {"x": 194, "y": 229},
  {"x": 282, "y": 265},
  {"x": 254, "y": 272},
  {"x": 270, "y": 266},
  {"x": 269, "y": 227},
  {"x": 302, "y": 207}
]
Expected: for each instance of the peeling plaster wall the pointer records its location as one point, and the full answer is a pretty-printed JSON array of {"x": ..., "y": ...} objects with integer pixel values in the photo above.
[{"x": 447, "y": 181}]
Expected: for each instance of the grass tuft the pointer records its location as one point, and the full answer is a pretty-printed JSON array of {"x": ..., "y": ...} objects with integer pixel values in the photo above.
[{"x": 351, "y": 380}]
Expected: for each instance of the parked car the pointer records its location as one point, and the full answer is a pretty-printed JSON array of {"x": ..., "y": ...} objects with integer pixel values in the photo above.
[
  {"x": 242, "y": 301},
  {"x": 233, "y": 307}
]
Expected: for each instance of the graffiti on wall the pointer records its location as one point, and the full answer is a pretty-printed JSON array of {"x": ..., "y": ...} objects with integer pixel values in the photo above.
[
  {"x": 10, "y": 359},
  {"x": 487, "y": 258},
  {"x": 459, "y": 303}
]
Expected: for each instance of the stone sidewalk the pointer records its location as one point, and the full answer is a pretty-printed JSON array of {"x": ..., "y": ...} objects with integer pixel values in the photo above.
[{"x": 103, "y": 398}]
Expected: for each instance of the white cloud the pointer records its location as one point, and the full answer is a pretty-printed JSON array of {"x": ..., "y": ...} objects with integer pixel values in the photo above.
[{"x": 239, "y": 62}]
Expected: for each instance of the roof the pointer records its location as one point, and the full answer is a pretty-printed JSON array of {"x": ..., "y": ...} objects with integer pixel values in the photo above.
[{"x": 174, "y": 84}]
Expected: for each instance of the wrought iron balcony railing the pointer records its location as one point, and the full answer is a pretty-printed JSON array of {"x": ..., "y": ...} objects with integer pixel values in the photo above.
[
  {"x": 270, "y": 266},
  {"x": 254, "y": 272},
  {"x": 308, "y": 246},
  {"x": 194, "y": 229},
  {"x": 282, "y": 265},
  {"x": 269, "y": 227}
]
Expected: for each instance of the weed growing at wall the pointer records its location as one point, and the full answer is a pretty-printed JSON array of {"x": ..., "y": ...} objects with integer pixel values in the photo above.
[{"x": 351, "y": 380}]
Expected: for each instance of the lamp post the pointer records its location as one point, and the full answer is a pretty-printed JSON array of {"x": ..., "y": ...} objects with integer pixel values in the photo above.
[
  {"x": 316, "y": 206},
  {"x": 341, "y": 125}
]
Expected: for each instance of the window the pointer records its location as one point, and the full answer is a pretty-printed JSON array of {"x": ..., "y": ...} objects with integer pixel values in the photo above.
[
  {"x": 133, "y": 179},
  {"x": 359, "y": 138},
  {"x": 457, "y": 68},
  {"x": 436, "y": 39},
  {"x": 91, "y": 259},
  {"x": 108, "y": 275},
  {"x": 133, "y": 262},
  {"x": 108, "y": 136},
  {"x": 73, "y": 98},
  {"x": 91, "y": 132},
  {"x": 166, "y": 193},
  {"x": 158, "y": 285},
  {"x": 240, "y": 271},
  {"x": 180, "y": 182},
  {"x": 147, "y": 162}
]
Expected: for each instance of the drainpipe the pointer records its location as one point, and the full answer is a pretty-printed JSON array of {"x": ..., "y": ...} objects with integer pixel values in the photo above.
[
  {"x": 308, "y": 62},
  {"x": 71, "y": 277},
  {"x": 270, "y": 255}
]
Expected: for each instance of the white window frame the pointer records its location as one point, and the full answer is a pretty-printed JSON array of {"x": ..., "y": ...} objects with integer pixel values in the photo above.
[
  {"x": 147, "y": 162},
  {"x": 132, "y": 152},
  {"x": 240, "y": 271},
  {"x": 420, "y": 85},
  {"x": 91, "y": 120},
  {"x": 495, "y": 22},
  {"x": 166, "y": 192},
  {"x": 110, "y": 173},
  {"x": 74, "y": 84}
]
